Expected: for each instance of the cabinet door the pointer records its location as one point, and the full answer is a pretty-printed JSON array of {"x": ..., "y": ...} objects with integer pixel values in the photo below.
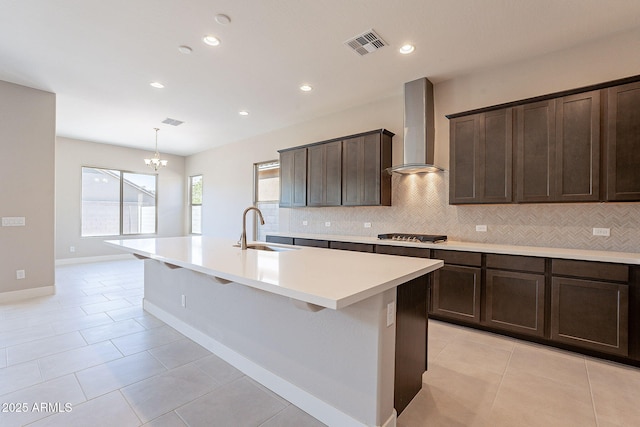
[
  {"x": 590, "y": 314},
  {"x": 293, "y": 178},
  {"x": 623, "y": 142},
  {"x": 515, "y": 302},
  {"x": 365, "y": 182},
  {"x": 456, "y": 293},
  {"x": 496, "y": 145},
  {"x": 535, "y": 151},
  {"x": 481, "y": 158},
  {"x": 577, "y": 169},
  {"x": 324, "y": 175},
  {"x": 464, "y": 153}
]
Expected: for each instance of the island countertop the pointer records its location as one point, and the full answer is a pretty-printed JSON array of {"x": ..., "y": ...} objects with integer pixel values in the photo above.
[{"x": 327, "y": 278}]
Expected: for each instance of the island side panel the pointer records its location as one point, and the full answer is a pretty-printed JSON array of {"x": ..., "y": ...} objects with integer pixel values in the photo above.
[{"x": 342, "y": 357}]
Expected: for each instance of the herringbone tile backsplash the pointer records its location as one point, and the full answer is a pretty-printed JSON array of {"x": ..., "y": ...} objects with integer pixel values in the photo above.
[{"x": 420, "y": 205}]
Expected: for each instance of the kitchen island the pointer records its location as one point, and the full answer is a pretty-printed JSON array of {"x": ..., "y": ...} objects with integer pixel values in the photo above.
[{"x": 315, "y": 326}]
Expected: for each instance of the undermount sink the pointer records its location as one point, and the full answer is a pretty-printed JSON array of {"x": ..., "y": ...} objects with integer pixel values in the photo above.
[{"x": 268, "y": 248}]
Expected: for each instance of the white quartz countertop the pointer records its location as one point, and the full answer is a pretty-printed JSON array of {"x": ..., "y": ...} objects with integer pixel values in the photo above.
[
  {"x": 327, "y": 278},
  {"x": 565, "y": 253}
]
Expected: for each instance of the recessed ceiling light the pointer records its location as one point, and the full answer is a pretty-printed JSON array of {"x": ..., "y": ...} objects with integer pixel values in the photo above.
[
  {"x": 243, "y": 113},
  {"x": 211, "y": 40},
  {"x": 306, "y": 88},
  {"x": 157, "y": 85},
  {"x": 222, "y": 19},
  {"x": 407, "y": 48},
  {"x": 185, "y": 49}
]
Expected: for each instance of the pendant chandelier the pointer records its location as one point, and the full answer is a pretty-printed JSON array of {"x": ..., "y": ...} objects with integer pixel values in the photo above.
[{"x": 155, "y": 162}]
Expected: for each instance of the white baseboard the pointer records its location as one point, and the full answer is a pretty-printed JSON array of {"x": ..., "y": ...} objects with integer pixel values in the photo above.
[
  {"x": 302, "y": 399},
  {"x": 27, "y": 293},
  {"x": 88, "y": 259}
]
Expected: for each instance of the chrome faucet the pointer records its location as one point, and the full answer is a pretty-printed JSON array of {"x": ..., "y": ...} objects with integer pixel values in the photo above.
[{"x": 243, "y": 236}]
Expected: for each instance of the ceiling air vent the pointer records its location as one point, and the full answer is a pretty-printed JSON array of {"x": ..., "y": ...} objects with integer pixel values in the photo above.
[
  {"x": 172, "y": 122},
  {"x": 366, "y": 42}
]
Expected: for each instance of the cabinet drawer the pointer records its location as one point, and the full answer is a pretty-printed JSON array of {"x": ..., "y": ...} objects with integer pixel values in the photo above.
[
  {"x": 348, "y": 246},
  {"x": 311, "y": 242},
  {"x": 590, "y": 270},
  {"x": 460, "y": 258},
  {"x": 403, "y": 251},
  {"x": 515, "y": 262},
  {"x": 280, "y": 239}
]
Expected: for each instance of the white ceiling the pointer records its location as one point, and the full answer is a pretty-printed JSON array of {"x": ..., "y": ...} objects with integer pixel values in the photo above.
[{"x": 99, "y": 57}]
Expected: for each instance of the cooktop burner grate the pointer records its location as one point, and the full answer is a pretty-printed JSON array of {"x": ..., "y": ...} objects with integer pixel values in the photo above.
[{"x": 405, "y": 237}]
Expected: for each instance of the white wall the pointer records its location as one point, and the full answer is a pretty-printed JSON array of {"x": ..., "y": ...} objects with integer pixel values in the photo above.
[
  {"x": 228, "y": 170},
  {"x": 72, "y": 155},
  {"x": 27, "y": 133},
  {"x": 228, "y": 175}
]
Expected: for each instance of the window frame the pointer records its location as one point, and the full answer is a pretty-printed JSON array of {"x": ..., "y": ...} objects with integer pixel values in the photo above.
[
  {"x": 191, "y": 204},
  {"x": 121, "y": 203},
  {"x": 256, "y": 179}
]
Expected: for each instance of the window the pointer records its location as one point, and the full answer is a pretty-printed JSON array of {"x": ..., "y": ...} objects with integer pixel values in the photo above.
[
  {"x": 267, "y": 197},
  {"x": 195, "y": 203},
  {"x": 115, "y": 202}
]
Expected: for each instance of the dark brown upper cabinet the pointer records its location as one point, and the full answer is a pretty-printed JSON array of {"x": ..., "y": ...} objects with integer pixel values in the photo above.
[
  {"x": 347, "y": 171},
  {"x": 535, "y": 151},
  {"x": 293, "y": 178},
  {"x": 324, "y": 174},
  {"x": 577, "y": 171},
  {"x": 558, "y": 149},
  {"x": 364, "y": 179},
  {"x": 481, "y": 158},
  {"x": 548, "y": 149},
  {"x": 623, "y": 142}
]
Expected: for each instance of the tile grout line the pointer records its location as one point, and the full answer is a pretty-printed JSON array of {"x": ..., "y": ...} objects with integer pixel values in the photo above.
[
  {"x": 593, "y": 401},
  {"x": 495, "y": 397}
]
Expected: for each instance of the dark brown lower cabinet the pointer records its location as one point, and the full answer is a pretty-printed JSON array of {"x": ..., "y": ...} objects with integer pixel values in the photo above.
[
  {"x": 515, "y": 302},
  {"x": 590, "y": 314},
  {"x": 349, "y": 246},
  {"x": 456, "y": 293},
  {"x": 411, "y": 340},
  {"x": 311, "y": 242},
  {"x": 280, "y": 239}
]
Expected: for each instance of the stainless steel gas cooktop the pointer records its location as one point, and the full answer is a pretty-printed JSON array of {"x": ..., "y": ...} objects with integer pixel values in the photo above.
[{"x": 419, "y": 238}]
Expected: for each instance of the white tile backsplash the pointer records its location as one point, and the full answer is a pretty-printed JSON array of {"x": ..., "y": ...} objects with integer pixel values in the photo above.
[{"x": 421, "y": 205}]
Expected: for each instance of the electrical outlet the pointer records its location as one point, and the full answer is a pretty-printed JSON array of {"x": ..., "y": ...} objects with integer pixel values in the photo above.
[
  {"x": 20, "y": 274},
  {"x": 72, "y": 248},
  {"x": 391, "y": 313},
  {"x": 305, "y": 222},
  {"x": 367, "y": 225},
  {"x": 601, "y": 232},
  {"x": 327, "y": 224},
  {"x": 481, "y": 228}
]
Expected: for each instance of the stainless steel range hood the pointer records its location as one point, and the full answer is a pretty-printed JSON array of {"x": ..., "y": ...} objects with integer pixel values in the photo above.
[{"x": 419, "y": 129}]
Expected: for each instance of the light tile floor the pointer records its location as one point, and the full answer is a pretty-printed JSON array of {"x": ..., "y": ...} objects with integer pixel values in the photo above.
[
  {"x": 93, "y": 347},
  {"x": 477, "y": 378}
]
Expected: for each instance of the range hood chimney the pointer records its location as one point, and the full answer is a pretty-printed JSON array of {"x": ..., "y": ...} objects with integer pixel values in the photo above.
[{"x": 419, "y": 129}]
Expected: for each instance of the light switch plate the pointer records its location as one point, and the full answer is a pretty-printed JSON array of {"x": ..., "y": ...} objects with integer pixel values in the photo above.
[{"x": 13, "y": 221}]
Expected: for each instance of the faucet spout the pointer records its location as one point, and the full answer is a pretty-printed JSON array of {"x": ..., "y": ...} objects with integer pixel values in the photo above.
[{"x": 243, "y": 236}]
